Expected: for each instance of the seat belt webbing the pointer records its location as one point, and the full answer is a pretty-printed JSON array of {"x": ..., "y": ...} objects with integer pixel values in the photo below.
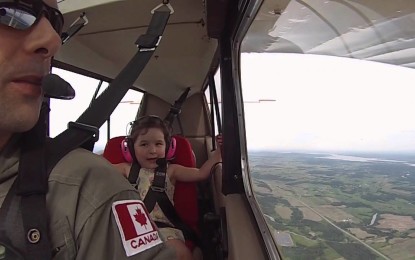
[
  {"x": 157, "y": 194},
  {"x": 158, "y": 186},
  {"x": 169, "y": 211},
  {"x": 101, "y": 108},
  {"x": 175, "y": 110},
  {"x": 23, "y": 212},
  {"x": 32, "y": 186}
]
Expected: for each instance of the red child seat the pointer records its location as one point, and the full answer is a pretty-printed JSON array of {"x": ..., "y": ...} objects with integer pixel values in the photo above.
[{"x": 185, "y": 195}]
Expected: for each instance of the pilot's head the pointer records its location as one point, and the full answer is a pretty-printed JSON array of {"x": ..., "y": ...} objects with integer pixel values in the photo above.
[{"x": 29, "y": 38}]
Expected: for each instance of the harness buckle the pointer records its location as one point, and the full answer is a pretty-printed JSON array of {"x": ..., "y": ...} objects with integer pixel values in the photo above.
[
  {"x": 148, "y": 42},
  {"x": 159, "y": 181},
  {"x": 165, "y": 3},
  {"x": 88, "y": 128},
  {"x": 158, "y": 189}
]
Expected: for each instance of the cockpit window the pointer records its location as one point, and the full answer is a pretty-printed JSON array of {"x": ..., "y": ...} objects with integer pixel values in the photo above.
[
  {"x": 331, "y": 148},
  {"x": 63, "y": 111}
]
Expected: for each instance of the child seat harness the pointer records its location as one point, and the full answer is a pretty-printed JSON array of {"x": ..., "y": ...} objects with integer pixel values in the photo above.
[{"x": 157, "y": 192}]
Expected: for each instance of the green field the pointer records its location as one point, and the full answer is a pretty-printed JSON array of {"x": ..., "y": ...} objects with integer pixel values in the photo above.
[{"x": 333, "y": 200}]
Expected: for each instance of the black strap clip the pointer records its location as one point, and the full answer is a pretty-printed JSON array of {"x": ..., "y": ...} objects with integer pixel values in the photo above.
[
  {"x": 89, "y": 128},
  {"x": 158, "y": 189},
  {"x": 147, "y": 42},
  {"x": 159, "y": 182}
]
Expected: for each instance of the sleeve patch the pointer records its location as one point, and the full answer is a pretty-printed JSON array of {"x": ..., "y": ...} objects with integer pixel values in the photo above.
[{"x": 137, "y": 232}]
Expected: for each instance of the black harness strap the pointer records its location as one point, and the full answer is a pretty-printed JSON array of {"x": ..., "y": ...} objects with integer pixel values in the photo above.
[
  {"x": 25, "y": 203},
  {"x": 32, "y": 186},
  {"x": 175, "y": 111},
  {"x": 157, "y": 194},
  {"x": 157, "y": 191},
  {"x": 11, "y": 227},
  {"x": 168, "y": 209},
  {"x": 86, "y": 126}
]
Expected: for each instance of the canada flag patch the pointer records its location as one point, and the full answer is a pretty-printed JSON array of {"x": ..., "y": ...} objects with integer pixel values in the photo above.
[{"x": 137, "y": 232}]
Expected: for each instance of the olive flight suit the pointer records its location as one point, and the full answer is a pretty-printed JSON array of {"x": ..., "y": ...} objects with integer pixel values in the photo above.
[{"x": 83, "y": 188}]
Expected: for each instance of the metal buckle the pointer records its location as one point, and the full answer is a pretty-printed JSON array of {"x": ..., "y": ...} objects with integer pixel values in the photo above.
[
  {"x": 150, "y": 49},
  {"x": 71, "y": 30},
  {"x": 158, "y": 189},
  {"x": 160, "y": 5}
]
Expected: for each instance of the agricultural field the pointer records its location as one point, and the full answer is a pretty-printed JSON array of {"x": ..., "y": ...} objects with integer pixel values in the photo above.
[{"x": 337, "y": 206}]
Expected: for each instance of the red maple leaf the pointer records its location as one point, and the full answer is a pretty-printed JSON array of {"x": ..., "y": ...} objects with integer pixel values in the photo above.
[{"x": 140, "y": 217}]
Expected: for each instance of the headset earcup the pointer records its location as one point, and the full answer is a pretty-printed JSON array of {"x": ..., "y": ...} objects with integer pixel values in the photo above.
[
  {"x": 172, "y": 149},
  {"x": 125, "y": 150}
]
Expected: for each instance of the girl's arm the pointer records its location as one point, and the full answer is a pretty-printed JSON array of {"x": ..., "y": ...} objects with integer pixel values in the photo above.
[{"x": 186, "y": 174}]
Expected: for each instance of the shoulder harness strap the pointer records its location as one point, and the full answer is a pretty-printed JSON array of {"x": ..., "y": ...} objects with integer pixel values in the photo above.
[
  {"x": 157, "y": 194},
  {"x": 25, "y": 203}
]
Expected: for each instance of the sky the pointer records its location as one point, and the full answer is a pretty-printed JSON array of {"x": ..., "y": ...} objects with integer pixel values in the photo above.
[
  {"x": 327, "y": 104},
  {"x": 321, "y": 103},
  {"x": 63, "y": 111}
]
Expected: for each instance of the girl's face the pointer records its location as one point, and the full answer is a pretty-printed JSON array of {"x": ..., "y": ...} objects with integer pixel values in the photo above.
[{"x": 149, "y": 146}]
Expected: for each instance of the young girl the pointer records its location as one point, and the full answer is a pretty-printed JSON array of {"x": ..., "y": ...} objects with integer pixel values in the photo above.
[{"x": 150, "y": 137}]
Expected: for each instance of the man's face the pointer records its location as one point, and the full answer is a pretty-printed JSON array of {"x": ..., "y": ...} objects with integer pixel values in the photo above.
[{"x": 25, "y": 57}]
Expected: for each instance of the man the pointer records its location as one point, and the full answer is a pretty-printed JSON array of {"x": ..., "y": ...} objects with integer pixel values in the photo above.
[{"x": 93, "y": 212}]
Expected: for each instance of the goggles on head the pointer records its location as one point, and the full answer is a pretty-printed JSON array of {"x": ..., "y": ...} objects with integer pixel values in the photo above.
[{"x": 23, "y": 14}]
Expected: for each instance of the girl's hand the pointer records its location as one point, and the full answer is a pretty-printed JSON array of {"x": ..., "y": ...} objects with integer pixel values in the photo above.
[{"x": 219, "y": 141}]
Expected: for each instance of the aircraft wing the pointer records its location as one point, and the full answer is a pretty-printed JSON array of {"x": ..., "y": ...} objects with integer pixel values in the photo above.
[{"x": 367, "y": 30}]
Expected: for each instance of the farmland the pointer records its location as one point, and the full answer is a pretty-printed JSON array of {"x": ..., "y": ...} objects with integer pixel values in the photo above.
[{"x": 338, "y": 206}]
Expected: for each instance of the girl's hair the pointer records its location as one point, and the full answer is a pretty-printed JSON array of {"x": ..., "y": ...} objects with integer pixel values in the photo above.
[{"x": 141, "y": 126}]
